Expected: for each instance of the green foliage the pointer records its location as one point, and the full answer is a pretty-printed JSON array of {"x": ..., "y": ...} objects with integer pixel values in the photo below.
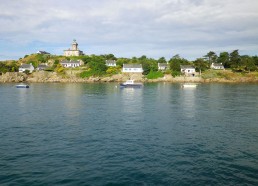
[
  {"x": 86, "y": 74},
  {"x": 176, "y": 61},
  {"x": 97, "y": 66},
  {"x": 224, "y": 59},
  {"x": 201, "y": 64},
  {"x": 154, "y": 75},
  {"x": 59, "y": 69},
  {"x": 113, "y": 70},
  {"x": 8, "y": 67},
  {"x": 26, "y": 72},
  {"x": 175, "y": 73},
  {"x": 211, "y": 56}
]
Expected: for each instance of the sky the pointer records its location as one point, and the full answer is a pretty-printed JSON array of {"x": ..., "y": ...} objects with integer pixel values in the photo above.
[{"x": 129, "y": 28}]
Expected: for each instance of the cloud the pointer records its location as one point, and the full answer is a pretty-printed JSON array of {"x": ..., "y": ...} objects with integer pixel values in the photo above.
[{"x": 130, "y": 27}]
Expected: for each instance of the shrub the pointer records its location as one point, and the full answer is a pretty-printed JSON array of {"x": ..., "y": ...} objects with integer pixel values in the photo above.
[
  {"x": 175, "y": 73},
  {"x": 86, "y": 74},
  {"x": 155, "y": 75}
]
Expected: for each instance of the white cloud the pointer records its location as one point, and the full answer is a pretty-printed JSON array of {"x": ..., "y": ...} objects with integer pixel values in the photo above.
[{"x": 129, "y": 27}]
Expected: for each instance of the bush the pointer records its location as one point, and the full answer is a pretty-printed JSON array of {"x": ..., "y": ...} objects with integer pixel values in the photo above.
[
  {"x": 155, "y": 75},
  {"x": 86, "y": 74},
  {"x": 175, "y": 73}
]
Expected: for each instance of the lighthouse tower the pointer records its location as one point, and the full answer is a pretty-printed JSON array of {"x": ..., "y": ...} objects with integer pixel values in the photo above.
[
  {"x": 74, "y": 51},
  {"x": 74, "y": 45}
]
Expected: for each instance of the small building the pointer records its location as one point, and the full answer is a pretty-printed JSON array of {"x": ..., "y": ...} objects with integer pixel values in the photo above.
[
  {"x": 28, "y": 67},
  {"x": 42, "y": 52},
  {"x": 74, "y": 51},
  {"x": 110, "y": 63},
  {"x": 41, "y": 67},
  {"x": 217, "y": 66},
  {"x": 163, "y": 66},
  {"x": 71, "y": 63},
  {"x": 188, "y": 70},
  {"x": 132, "y": 68}
]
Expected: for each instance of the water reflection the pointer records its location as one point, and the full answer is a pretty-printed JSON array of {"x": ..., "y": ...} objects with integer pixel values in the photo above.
[
  {"x": 131, "y": 100},
  {"x": 188, "y": 102},
  {"x": 72, "y": 99}
]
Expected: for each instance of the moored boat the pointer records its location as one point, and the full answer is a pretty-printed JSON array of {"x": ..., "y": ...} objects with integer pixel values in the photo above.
[
  {"x": 130, "y": 84},
  {"x": 22, "y": 86},
  {"x": 187, "y": 85}
]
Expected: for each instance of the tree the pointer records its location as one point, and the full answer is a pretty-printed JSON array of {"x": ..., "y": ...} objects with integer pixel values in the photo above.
[
  {"x": 235, "y": 60},
  {"x": 162, "y": 60},
  {"x": 200, "y": 64},
  {"x": 176, "y": 61},
  {"x": 212, "y": 57},
  {"x": 248, "y": 63},
  {"x": 97, "y": 65},
  {"x": 224, "y": 59}
]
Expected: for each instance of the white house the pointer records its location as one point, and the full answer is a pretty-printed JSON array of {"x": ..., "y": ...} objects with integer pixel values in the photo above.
[
  {"x": 28, "y": 67},
  {"x": 163, "y": 66},
  {"x": 217, "y": 66},
  {"x": 187, "y": 70},
  {"x": 132, "y": 68},
  {"x": 74, "y": 51},
  {"x": 111, "y": 63},
  {"x": 41, "y": 67},
  {"x": 71, "y": 63}
]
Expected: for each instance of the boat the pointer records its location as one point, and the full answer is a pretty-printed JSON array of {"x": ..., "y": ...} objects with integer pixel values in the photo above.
[
  {"x": 130, "y": 84},
  {"x": 187, "y": 85},
  {"x": 22, "y": 86}
]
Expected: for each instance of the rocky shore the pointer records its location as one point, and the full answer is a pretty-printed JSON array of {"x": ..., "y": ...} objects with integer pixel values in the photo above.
[{"x": 51, "y": 77}]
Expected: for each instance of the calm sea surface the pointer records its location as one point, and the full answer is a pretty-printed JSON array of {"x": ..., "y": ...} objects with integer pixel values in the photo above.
[{"x": 97, "y": 134}]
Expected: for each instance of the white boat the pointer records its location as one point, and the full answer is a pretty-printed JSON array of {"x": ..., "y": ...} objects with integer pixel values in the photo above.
[
  {"x": 130, "y": 84},
  {"x": 22, "y": 86},
  {"x": 187, "y": 85}
]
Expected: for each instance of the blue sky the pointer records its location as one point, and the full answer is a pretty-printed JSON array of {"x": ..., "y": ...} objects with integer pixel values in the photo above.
[{"x": 127, "y": 28}]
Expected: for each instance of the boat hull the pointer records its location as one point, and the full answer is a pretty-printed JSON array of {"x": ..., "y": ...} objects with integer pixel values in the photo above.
[
  {"x": 130, "y": 86},
  {"x": 22, "y": 86}
]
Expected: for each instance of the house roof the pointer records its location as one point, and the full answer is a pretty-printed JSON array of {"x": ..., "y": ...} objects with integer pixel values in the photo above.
[
  {"x": 110, "y": 62},
  {"x": 42, "y": 66},
  {"x": 69, "y": 62},
  {"x": 26, "y": 66},
  {"x": 132, "y": 65},
  {"x": 186, "y": 67},
  {"x": 217, "y": 64},
  {"x": 162, "y": 64}
]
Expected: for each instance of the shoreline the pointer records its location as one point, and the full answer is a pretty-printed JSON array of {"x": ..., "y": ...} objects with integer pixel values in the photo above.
[{"x": 47, "y": 77}]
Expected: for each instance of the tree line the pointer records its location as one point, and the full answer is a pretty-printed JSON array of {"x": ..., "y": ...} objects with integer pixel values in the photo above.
[{"x": 96, "y": 63}]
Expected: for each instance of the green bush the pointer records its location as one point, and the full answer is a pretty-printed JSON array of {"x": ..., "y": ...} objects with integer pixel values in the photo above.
[
  {"x": 175, "y": 73},
  {"x": 154, "y": 75},
  {"x": 86, "y": 74}
]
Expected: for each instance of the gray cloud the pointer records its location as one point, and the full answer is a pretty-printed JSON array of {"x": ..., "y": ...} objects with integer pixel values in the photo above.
[{"x": 129, "y": 27}]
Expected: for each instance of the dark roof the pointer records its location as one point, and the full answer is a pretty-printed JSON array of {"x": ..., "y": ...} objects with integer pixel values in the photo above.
[
  {"x": 132, "y": 65},
  {"x": 71, "y": 61},
  {"x": 162, "y": 64},
  {"x": 110, "y": 61},
  {"x": 25, "y": 66},
  {"x": 186, "y": 66},
  {"x": 217, "y": 64}
]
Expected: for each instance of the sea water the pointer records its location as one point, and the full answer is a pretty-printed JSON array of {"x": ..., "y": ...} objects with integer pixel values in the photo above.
[{"x": 99, "y": 134}]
